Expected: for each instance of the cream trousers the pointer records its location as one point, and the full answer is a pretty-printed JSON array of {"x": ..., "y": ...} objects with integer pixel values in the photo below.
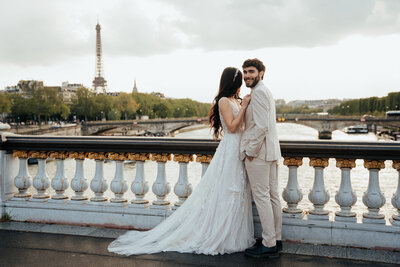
[{"x": 263, "y": 178}]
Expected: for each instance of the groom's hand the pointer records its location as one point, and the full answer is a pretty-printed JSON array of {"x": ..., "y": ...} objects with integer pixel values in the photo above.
[{"x": 249, "y": 158}]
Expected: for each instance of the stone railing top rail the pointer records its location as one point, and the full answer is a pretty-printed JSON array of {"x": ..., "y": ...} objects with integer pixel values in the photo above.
[{"x": 290, "y": 148}]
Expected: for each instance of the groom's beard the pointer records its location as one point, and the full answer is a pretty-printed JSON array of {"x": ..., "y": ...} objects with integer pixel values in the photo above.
[{"x": 252, "y": 83}]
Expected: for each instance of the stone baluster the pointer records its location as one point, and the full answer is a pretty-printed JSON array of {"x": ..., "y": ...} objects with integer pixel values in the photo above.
[
  {"x": 318, "y": 195},
  {"x": 345, "y": 197},
  {"x": 79, "y": 183},
  {"x": 395, "y": 220},
  {"x": 205, "y": 161},
  {"x": 41, "y": 181},
  {"x": 292, "y": 193},
  {"x": 118, "y": 185},
  {"x": 59, "y": 182},
  {"x": 139, "y": 186},
  {"x": 182, "y": 188},
  {"x": 23, "y": 180},
  {"x": 98, "y": 184},
  {"x": 161, "y": 187},
  {"x": 373, "y": 197}
]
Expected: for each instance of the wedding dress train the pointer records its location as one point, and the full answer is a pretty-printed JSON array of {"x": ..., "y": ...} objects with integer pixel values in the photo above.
[{"x": 215, "y": 219}]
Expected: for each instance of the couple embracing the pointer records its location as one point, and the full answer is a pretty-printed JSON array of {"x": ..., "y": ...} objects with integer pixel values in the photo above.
[{"x": 217, "y": 217}]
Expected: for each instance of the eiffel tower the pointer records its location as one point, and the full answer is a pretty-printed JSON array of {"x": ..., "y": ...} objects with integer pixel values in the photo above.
[{"x": 99, "y": 83}]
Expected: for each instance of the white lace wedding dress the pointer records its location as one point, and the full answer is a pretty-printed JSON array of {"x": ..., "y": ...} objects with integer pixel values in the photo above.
[{"x": 215, "y": 219}]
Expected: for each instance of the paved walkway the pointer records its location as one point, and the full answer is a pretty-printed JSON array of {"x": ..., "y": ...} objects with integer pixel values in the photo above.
[{"x": 30, "y": 244}]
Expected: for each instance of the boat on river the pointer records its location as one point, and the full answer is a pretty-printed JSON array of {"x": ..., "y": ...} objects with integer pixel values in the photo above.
[{"x": 357, "y": 129}]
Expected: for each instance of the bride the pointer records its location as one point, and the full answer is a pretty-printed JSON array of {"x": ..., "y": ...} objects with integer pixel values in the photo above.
[{"x": 217, "y": 217}]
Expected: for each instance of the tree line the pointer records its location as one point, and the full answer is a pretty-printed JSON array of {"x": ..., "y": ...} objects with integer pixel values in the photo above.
[
  {"x": 375, "y": 106},
  {"x": 46, "y": 103}
]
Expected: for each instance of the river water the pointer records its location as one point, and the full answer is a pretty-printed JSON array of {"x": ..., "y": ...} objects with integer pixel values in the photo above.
[{"x": 359, "y": 175}]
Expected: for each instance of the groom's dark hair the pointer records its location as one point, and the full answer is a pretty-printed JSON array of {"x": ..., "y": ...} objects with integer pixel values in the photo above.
[{"x": 255, "y": 62}]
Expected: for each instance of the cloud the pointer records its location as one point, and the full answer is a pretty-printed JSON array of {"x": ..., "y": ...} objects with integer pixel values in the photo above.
[
  {"x": 254, "y": 24},
  {"x": 44, "y": 32}
]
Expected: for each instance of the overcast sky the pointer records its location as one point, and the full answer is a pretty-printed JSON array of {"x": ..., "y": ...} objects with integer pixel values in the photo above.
[{"x": 313, "y": 49}]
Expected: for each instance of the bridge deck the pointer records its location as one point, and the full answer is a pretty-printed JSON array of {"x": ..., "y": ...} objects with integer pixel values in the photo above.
[{"x": 28, "y": 244}]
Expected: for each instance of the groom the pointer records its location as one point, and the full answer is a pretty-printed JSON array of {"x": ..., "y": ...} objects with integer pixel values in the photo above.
[{"x": 260, "y": 150}]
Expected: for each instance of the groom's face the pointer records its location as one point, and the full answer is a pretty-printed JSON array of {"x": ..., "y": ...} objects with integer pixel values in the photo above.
[{"x": 252, "y": 76}]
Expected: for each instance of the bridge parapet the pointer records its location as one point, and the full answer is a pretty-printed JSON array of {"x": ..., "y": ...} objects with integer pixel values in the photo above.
[{"x": 109, "y": 202}]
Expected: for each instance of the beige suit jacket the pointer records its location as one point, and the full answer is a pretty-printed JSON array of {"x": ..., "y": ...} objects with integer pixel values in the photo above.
[{"x": 260, "y": 137}]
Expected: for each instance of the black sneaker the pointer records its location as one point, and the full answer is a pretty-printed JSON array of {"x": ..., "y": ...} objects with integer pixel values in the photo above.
[
  {"x": 279, "y": 245},
  {"x": 263, "y": 252},
  {"x": 256, "y": 245}
]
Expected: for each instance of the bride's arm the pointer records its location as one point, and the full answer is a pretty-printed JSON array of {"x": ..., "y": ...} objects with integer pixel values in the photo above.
[{"x": 226, "y": 111}]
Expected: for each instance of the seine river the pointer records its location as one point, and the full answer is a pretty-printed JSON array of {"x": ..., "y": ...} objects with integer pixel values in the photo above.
[{"x": 359, "y": 175}]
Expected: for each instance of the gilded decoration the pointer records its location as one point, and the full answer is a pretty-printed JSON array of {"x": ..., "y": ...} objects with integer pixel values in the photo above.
[
  {"x": 97, "y": 155},
  {"x": 20, "y": 154},
  {"x": 203, "y": 158},
  {"x": 319, "y": 162},
  {"x": 396, "y": 164},
  {"x": 374, "y": 164},
  {"x": 78, "y": 155},
  {"x": 59, "y": 154},
  {"x": 183, "y": 157},
  {"x": 346, "y": 163},
  {"x": 138, "y": 156},
  {"x": 38, "y": 154},
  {"x": 293, "y": 161},
  {"x": 117, "y": 156},
  {"x": 163, "y": 157}
]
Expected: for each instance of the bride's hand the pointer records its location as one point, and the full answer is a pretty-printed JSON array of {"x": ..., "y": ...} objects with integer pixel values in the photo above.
[{"x": 246, "y": 100}]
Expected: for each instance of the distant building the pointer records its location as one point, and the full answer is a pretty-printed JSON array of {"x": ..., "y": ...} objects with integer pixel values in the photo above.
[
  {"x": 12, "y": 90},
  {"x": 135, "y": 90},
  {"x": 158, "y": 94},
  {"x": 280, "y": 102},
  {"x": 68, "y": 91},
  {"x": 113, "y": 93}
]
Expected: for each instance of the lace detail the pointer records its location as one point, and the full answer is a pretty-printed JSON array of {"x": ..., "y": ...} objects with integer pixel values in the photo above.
[{"x": 216, "y": 219}]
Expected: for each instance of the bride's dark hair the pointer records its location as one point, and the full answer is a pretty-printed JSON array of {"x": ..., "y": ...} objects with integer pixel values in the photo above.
[{"x": 231, "y": 81}]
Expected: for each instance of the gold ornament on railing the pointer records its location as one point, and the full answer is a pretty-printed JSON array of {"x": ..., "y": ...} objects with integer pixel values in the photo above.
[
  {"x": 97, "y": 155},
  {"x": 346, "y": 163},
  {"x": 183, "y": 157},
  {"x": 319, "y": 162},
  {"x": 78, "y": 155},
  {"x": 117, "y": 156},
  {"x": 20, "y": 154},
  {"x": 163, "y": 157},
  {"x": 203, "y": 158},
  {"x": 59, "y": 154},
  {"x": 396, "y": 164},
  {"x": 374, "y": 164},
  {"x": 293, "y": 161},
  {"x": 138, "y": 156},
  {"x": 38, "y": 154}
]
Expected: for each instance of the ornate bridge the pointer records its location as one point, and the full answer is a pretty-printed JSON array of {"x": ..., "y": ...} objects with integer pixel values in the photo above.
[{"x": 142, "y": 201}]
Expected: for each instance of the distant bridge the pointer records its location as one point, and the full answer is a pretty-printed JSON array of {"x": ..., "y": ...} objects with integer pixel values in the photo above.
[
  {"x": 327, "y": 124},
  {"x": 153, "y": 126}
]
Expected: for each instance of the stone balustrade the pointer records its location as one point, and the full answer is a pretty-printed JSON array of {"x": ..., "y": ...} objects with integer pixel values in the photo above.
[{"x": 313, "y": 225}]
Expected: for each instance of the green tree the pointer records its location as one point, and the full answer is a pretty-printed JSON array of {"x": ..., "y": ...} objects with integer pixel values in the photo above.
[
  {"x": 5, "y": 104},
  {"x": 83, "y": 105},
  {"x": 47, "y": 102},
  {"x": 114, "y": 115},
  {"x": 126, "y": 104}
]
